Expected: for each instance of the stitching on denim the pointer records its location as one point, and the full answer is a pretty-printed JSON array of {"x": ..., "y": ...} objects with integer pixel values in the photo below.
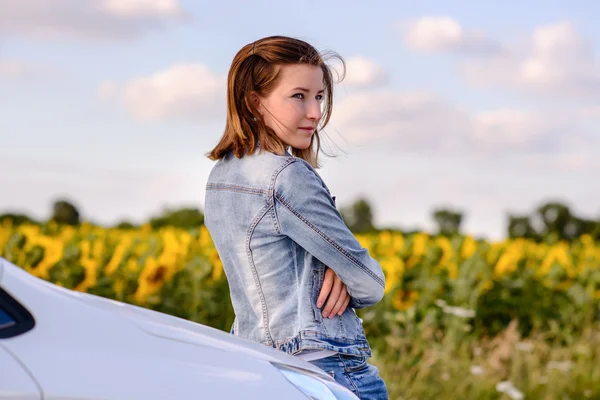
[
  {"x": 271, "y": 191},
  {"x": 295, "y": 259},
  {"x": 350, "y": 369},
  {"x": 274, "y": 218},
  {"x": 235, "y": 188},
  {"x": 336, "y": 246},
  {"x": 321, "y": 275},
  {"x": 314, "y": 290},
  {"x": 347, "y": 375},
  {"x": 342, "y": 329},
  {"x": 255, "y": 275},
  {"x": 303, "y": 341}
]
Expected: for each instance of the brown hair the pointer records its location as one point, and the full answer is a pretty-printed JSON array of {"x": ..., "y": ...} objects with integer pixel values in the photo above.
[{"x": 254, "y": 69}]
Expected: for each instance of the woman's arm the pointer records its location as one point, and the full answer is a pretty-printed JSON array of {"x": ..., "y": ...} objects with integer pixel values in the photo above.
[{"x": 304, "y": 211}]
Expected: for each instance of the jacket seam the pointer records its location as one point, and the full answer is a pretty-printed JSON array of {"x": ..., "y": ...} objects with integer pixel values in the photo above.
[
  {"x": 265, "y": 312},
  {"x": 271, "y": 192},
  {"x": 236, "y": 188},
  {"x": 333, "y": 243}
]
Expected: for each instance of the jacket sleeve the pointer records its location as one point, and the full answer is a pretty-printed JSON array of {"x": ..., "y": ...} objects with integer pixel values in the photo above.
[{"x": 306, "y": 213}]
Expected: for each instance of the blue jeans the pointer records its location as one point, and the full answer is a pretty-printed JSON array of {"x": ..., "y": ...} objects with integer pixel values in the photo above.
[{"x": 356, "y": 374}]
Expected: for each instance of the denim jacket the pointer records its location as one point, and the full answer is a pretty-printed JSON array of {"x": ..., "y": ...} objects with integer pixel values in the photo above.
[{"x": 276, "y": 228}]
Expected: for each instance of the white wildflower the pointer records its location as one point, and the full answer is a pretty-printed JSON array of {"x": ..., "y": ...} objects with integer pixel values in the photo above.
[
  {"x": 525, "y": 346},
  {"x": 563, "y": 366},
  {"x": 509, "y": 389},
  {"x": 445, "y": 376},
  {"x": 477, "y": 370},
  {"x": 440, "y": 303},
  {"x": 457, "y": 311}
]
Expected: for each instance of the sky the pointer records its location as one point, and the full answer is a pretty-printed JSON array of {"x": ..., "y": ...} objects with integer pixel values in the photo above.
[{"x": 486, "y": 108}]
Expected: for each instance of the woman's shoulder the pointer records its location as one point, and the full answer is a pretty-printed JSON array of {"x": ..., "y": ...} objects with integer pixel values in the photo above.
[
  {"x": 259, "y": 168},
  {"x": 299, "y": 175}
]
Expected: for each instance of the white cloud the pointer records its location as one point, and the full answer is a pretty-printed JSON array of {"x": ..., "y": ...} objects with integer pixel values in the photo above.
[
  {"x": 518, "y": 128},
  {"x": 418, "y": 120},
  {"x": 591, "y": 112},
  {"x": 422, "y": 121},
  {"x": 13, "y": 69},
  {"x": 190, "y": 91},
  {"x": 108, "y": 90},
  {"x": 579, "y": 161},
  {"x": 143, "y": 7},
  {"x": 361, "y": 71},
  {"x": 443, "y": 33},
  {"x": 17, "y": 69},
  {"x": 558, "y": 62},
  {"x": 561, "y": 61},
  {"x": 86, "y": 20}
]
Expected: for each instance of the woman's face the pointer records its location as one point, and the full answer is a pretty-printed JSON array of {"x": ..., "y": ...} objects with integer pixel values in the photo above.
[{"x": 293, "y": 108}]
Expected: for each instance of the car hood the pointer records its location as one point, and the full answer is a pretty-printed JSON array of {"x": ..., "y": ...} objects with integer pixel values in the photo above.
[{"x": 159, "y": 324}]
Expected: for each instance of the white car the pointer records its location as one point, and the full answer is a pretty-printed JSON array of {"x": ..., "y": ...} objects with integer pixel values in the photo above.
[{"x": 56, "y": 343}]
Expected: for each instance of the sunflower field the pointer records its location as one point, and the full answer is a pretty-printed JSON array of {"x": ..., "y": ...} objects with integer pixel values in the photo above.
[{"x": 460, "y": 316}]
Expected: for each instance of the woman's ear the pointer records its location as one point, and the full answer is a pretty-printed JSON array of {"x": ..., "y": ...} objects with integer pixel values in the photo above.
[
  {"x": 252, "y": 103},
  {"x": 255, "y": 99}
]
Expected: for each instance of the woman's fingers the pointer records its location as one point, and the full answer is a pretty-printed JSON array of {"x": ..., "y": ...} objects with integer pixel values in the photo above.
[
  {"x": 334, "y": 295},
  {"x": 339, "y": 306},
  {"x": 345, "y": 305},
  {"x": 326, "y": 288}
]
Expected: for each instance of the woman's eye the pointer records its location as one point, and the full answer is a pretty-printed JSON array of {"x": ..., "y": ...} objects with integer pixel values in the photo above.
[
  {"x": 319, "y": 97},
  {"x": 298, "y": 96}
]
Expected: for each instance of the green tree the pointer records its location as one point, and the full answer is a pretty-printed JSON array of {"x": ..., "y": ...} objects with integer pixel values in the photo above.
[
  {"x": 17, "y": 219},
  {"x": 576, "y": 227},
  {"x": 520, "y": 226},
  {"x": 448, "y": 221},
  {"x": 185, "y": 218},
  {"x": 125, "y": 225},
  {"x": 555, "y": 218},
  {"x": 64, "y": 212},
  {"x": 359, "y": 216}
]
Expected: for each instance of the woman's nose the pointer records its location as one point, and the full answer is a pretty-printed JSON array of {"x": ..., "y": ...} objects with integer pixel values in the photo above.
[{"x": 314, "y": 111}]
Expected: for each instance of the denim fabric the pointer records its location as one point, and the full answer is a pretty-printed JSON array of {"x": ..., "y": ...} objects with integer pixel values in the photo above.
[
  {"x": 276, "y": 228},
  {"x": 356, "y": 374}
]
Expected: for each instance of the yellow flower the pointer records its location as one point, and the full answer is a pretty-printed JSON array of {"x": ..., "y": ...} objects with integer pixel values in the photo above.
[
  {"x": 91, "y": 268},
  {"x": 487, "y": 285},
  {"x": 468, "y": 248},
  {"x": 98, "y": 249},
  {"x": 118, "y": 254},
  {"x": 205, "y": 239},
  {"x": 404, "y": 299},
  {"x": 364, "y": 241},
  {"x": 217, "y": 271},
  {"x": 393, "y": 269},
  {"x": 153, "y": 276},
  {"x": 397, "y": 242},
  {"x": 420, "y": 241},
  {"x": 420, "y": 244},
  {"x": 385, "y": 238}
]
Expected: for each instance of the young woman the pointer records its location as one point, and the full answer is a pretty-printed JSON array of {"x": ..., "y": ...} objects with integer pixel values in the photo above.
[{"x": 296, "y": 272}]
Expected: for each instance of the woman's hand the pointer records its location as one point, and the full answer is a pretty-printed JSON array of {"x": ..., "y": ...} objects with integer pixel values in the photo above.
[{"x": 338, "y": 295}]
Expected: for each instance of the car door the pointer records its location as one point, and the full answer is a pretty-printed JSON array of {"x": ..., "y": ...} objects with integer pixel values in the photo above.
[{"x": 15, "y": 381}]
